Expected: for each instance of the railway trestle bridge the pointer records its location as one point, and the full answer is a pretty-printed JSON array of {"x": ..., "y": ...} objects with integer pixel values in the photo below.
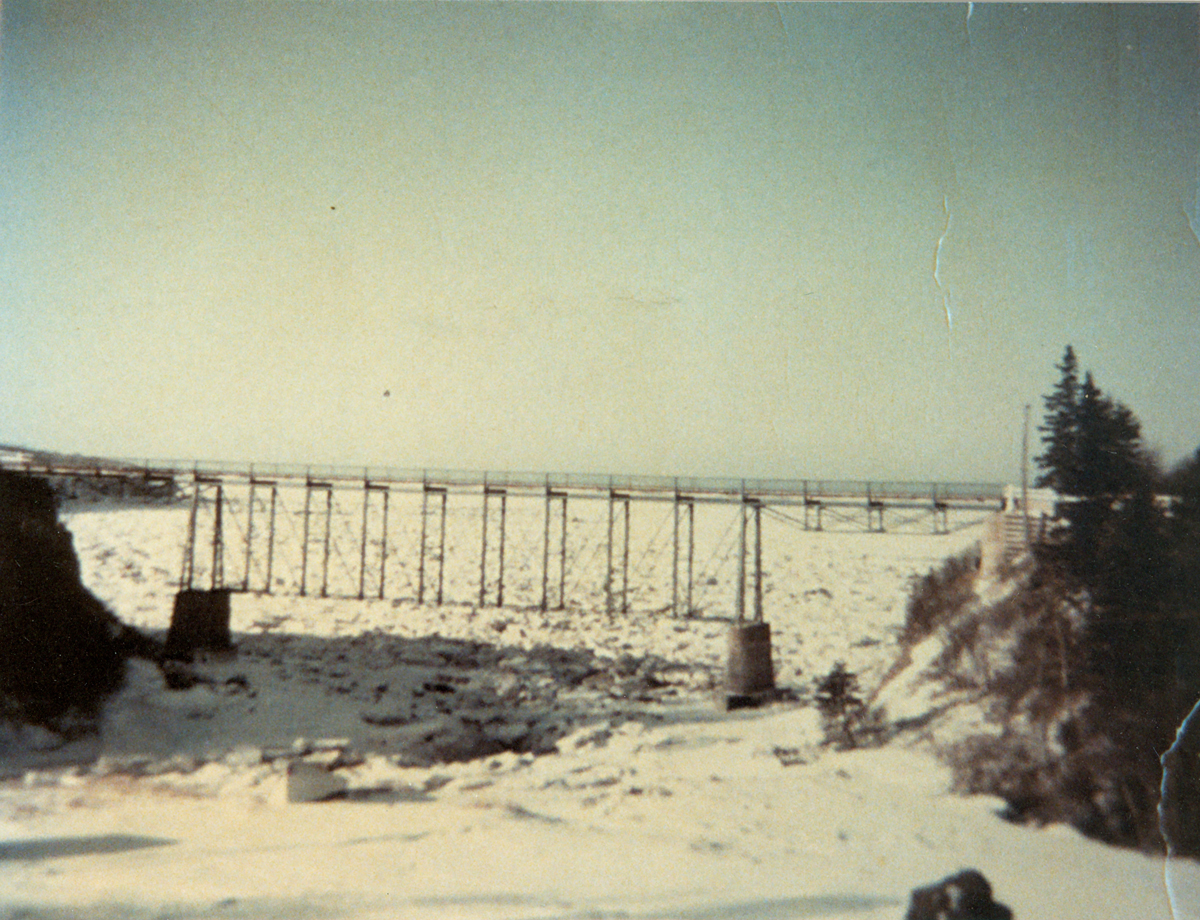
[{"x": 332, "y": 532}]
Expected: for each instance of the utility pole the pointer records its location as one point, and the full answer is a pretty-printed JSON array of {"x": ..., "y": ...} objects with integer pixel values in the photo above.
[{"x": 1025, "y": 475}]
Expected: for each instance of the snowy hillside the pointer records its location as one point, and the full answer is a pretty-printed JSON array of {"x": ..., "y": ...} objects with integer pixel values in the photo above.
[{"x": 510, "y": 762}]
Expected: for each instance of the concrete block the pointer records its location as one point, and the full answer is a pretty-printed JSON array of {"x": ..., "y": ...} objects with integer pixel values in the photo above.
[
  {"x": 750, "y": 672},
  {"x": 199, "y": 621},
  {"x": 312, "y": 782}
]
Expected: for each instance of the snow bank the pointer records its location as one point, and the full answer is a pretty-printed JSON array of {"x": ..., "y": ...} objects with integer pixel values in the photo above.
[{"x": 610, "y": 783}]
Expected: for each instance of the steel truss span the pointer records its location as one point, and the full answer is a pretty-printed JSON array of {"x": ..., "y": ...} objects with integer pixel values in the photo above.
[{"x": 552, "y": 541}]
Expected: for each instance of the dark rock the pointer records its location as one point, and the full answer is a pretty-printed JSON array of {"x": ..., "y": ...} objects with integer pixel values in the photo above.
[
  {"x": 179, "y": 676},
  {"x": 454, "y": 744},
  {"x": 626, "y": 665},
  {"x": 61, "y": 650},
  {"x": 964, "y": 896}
]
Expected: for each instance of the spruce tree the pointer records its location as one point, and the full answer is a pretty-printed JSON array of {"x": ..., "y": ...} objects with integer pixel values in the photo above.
[
  {"x": 1108, "y": 449},
  {"x": 1095, "y": 461},
  {"x": 1132, "y": 574},
  {"x": 1060, "y": 430},
  {"x": 1093, "y": 448}
]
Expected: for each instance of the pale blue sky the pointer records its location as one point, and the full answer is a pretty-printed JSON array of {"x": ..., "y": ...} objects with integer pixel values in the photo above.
[{"x": 661, "y": 238}]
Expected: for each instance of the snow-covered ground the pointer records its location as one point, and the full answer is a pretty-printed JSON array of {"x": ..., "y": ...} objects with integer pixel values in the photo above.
[{"x": 636, "y": 795}]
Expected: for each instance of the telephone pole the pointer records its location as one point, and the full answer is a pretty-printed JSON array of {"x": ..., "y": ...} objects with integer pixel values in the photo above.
[{"x": 1025, "y": 475}]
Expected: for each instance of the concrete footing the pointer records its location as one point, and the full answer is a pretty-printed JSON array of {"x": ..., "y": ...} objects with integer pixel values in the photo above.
[
  {"x": 750, "y": 677},
  {"x": 199, "y": 622}
]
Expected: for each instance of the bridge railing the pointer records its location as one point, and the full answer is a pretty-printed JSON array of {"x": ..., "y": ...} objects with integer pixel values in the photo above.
[{"x": 812, "y": 490}]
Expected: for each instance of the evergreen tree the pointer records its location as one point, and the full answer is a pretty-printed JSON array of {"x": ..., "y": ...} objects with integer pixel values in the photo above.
[
  {"x": 1108, "y": 479},
  {"x": 1116, "y": 545},
  {"x": 1092, "y": 443},
  {"x": 1060, "y": 430},
  {"x": 1108, "y": 447},
  {"x": 1132, "y": 573}
]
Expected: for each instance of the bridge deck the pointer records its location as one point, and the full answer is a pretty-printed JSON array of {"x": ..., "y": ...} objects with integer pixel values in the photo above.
[
  {"x": 827, "y": 492},
  {"x": 246, "y": 522}
]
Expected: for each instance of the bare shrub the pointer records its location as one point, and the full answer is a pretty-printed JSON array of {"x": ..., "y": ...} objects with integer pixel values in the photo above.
[
  {"x": 939, "y": 595},
  {"x": 1068, "y": 749},
  {"x": 847, "y": 721},
  {"x": 1104, "y": 789}
]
